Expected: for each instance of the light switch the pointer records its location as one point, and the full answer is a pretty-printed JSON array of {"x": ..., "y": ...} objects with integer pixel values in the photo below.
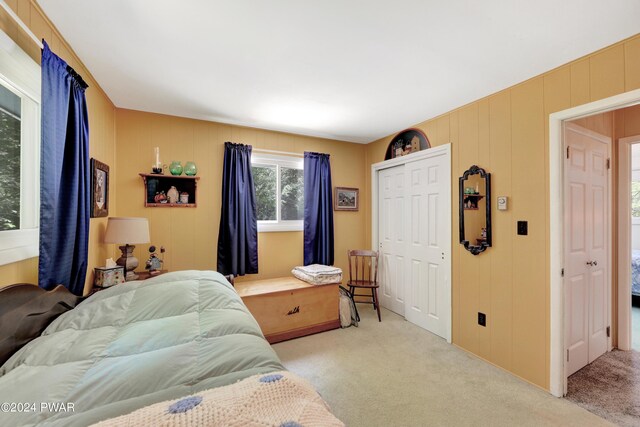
[{"x": 502, "y": 203}]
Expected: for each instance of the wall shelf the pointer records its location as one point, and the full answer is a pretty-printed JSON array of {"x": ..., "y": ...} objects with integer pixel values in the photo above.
[
  {"x": 155, "y": 183},
  {"x": 472, "y": 200}
]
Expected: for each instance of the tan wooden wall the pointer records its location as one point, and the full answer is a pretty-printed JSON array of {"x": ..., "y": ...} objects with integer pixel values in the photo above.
[
  {"x": 507, "y": 133},
  {"x": 190, "y": 235}
]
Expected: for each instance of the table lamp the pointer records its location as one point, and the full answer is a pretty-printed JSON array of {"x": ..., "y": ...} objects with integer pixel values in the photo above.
[{"x": 128, "y": 231}]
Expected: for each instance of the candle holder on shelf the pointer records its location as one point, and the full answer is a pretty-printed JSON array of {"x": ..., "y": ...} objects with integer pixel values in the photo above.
[{"x": 157, "y": 167}]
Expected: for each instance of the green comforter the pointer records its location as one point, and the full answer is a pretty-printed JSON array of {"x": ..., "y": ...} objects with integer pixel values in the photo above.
[{"x": 133, "y": 345}]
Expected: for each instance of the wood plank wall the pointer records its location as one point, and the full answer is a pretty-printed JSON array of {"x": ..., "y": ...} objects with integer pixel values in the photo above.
[
  {"x": 191, "y": 234},
  {"x": 507, "y": 133}
]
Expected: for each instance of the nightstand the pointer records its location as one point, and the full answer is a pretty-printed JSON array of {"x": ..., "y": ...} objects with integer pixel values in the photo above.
[{"x": 144, "y": 275}]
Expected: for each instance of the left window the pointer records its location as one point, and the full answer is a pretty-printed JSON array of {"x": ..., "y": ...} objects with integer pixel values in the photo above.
[{"x": 19, "y": 153}]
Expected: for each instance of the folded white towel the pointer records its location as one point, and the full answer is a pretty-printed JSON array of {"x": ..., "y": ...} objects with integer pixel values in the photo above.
[{"x": 319, "y": 270}]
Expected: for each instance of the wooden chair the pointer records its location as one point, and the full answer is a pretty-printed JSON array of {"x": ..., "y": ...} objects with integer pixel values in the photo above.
[{"x": 363, "y": 274}]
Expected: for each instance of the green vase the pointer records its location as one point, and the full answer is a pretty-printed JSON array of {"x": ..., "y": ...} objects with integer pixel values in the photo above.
[
  {"x": 175, "y": 168},
  {"x": 190, "y": 169}
]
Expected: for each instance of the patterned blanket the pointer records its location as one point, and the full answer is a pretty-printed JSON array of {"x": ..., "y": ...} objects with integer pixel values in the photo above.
[{"x": 279, "y": 399}]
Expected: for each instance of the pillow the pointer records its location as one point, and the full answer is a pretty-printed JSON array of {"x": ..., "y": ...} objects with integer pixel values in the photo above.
[{"x": 26, "y": 310}]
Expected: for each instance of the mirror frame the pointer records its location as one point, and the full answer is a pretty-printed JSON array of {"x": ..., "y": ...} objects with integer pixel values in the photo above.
[{"x": 476, "y": 170}]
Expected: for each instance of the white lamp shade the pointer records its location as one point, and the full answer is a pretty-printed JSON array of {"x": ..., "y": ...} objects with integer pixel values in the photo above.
[{"x": 127, "y": 230}]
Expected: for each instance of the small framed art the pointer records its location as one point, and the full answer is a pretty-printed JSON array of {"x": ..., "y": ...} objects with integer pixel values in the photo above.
[
  {"x": 346, "y": 199},
  {"x": 99, "y": 189}
]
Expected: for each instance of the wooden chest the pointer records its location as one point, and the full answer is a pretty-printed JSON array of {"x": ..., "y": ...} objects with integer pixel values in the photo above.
[{"x": 287, "y": 307}]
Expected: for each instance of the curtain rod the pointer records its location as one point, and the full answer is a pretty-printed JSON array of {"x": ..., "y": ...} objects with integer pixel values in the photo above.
[
  {"x": 285, "y": 153},
  {"x": 19, "y": 21}
]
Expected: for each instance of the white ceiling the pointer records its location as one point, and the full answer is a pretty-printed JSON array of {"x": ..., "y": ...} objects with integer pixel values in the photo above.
[{"x": 353, "y": 70}]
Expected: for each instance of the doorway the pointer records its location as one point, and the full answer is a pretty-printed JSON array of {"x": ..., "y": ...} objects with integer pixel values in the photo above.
[
  {"x": 602, "y": 372},
  {"x": 559, "y": 366},
  {"x": 635, "y": 242},
  {"x": 629, "y": 232},
  {"x": 411, "y": 228}
]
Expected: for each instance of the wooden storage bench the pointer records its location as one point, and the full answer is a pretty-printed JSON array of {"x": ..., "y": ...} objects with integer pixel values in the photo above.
[{"x": 287, "y": 307}]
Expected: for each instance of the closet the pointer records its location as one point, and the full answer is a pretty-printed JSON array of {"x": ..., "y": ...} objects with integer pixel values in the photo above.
[{"x": 411, "y": 228}]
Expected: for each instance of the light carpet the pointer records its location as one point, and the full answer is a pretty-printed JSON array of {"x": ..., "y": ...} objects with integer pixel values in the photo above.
[
  {"x": 610, "y": 387},
  {"x": 396, "y": 374}
]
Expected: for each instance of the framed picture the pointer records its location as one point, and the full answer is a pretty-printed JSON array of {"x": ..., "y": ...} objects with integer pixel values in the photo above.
[
  {"x": 99, "y": 189},
  {"x": 346, "y": 199}
]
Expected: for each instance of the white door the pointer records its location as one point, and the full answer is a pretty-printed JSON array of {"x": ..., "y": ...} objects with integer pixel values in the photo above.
[
  {"x": 428, "y": 184},
  {"x": 392, "y": 238},
  {"x": 586, "y": 246}
]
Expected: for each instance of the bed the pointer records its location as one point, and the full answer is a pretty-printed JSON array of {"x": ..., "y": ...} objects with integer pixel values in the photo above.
[
  {"x": 635, "y": 272},
  {"x": 135, "y": 345}
]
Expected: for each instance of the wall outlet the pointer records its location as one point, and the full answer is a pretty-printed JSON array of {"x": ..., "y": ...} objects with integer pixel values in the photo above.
[
  {"x": 523, "y": 228},
  {"x": 482, "y": 319}
]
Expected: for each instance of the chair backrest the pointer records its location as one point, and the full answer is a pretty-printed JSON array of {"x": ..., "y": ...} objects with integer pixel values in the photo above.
[{"x": 363, "y": 265}]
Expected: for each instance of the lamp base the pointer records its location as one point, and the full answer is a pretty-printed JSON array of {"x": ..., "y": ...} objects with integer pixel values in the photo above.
[{"x": 129, "y": 262}]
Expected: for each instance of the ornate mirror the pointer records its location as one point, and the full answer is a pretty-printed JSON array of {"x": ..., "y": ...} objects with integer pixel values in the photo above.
[{"x": 475, "y": 210}]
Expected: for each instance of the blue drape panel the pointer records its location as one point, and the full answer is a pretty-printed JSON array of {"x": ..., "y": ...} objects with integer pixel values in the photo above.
[
  {"x": 238, "y": 236},
  {"x": 64, "y": 177},
  {"x": 318, "y": 210}
]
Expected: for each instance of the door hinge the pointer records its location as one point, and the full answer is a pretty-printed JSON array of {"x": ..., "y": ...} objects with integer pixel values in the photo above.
[
  {"x": 608, "y": 331},
  {"x": 562, "y": 272},
  {"x": 608, "y": 163},
  {"x": 567, "y": 355},
  {"x": 568, "y": 148}
]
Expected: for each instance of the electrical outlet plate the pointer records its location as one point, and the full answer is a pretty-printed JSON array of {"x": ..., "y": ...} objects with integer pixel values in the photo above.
[
  {"x": 482, "y": 319},
  {"x": 502, "y": 203}
]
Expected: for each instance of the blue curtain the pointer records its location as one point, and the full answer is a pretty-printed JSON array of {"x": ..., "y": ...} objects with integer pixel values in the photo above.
[
  {"x": 64, "y": 177},
  {"x": 318, "y": 210},
  {"x": 238, "y": 236}
]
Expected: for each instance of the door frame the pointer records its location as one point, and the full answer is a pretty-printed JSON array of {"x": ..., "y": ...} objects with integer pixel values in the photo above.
[
  {"x": 441, "y": 150},
  {"x": 557, "y": 350},
  {"x": 608, "y": 141},
  {"x": 624, "y": 241}
]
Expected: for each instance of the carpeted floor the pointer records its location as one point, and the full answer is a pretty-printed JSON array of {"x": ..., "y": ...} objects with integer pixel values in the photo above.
[
  {"x": 610, "y": 387},
  {"x": 396, "y": 374}
]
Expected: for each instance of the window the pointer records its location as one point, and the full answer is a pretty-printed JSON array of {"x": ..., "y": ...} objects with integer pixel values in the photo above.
[
  {"x": 279, "y": 184},
  {"x": 19, "y": 153},
  {"x": 10, "y": 115}
]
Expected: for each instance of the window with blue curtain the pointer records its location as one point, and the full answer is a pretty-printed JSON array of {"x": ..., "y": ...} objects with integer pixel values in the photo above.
[
  {"x": 318, "y": 210},
  {"x": 64, "y": 176},
  {"x": 238, "y": 234}
]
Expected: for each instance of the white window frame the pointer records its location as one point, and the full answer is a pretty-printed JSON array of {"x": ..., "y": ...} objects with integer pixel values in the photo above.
[
  {"x": 21, "y": 75},
  {"x": 269, "y": 160}
]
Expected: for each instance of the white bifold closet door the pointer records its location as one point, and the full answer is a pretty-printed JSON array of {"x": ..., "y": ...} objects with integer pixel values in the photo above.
[
  {"x": 414, "y": 235},
  {"x": 392, "y": 238}
]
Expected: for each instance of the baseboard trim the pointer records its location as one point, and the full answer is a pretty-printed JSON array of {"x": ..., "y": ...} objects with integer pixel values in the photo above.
[{"x": 301, "y": 332}]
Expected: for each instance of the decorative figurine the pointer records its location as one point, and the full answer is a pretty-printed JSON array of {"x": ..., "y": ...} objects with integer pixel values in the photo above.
[
  {"x": 160, "y": 197},
  {"x": 154, "y": 264},
  {"x": 173, "y": 194}
]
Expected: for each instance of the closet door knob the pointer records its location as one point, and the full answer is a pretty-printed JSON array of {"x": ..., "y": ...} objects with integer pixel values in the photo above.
[{"x": 592, "y": 263}]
